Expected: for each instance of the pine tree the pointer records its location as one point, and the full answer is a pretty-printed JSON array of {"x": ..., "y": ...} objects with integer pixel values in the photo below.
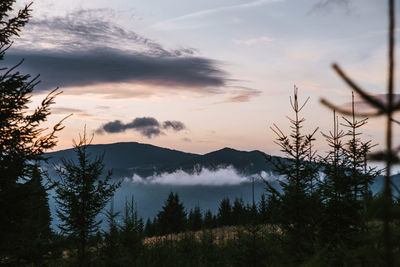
[
  {"x": 299, "y": 202},
  {"x": 238, "y": 212},
  {"x": 209, "y": 220},
  {"x": 345, "y": 189},
  {"x": 224, "y": 216},
  {"x": 22, "y": 145},
  {"x": 195, "y": 220},
  {"x": 131, "y": 234},
  {"x": 172, "y": 217},
  {"x": 263, "y": 210},
  {"x": 111, "y": 248},
  {"x": 36, "y": 222},
  {"x": 81, "y": 194}
]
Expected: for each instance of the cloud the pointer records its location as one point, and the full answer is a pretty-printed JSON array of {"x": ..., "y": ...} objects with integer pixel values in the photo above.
[
  {"x": 146, "y": 126},
  {"x": 327, "y": 5},
  {"x": 86, "y": 48},
  {"x": 109, "y": 65},
  {"x": 174, "y": 125},
  {"x": 177, "y": 21},
  {"x": 75, "y": 111},
  {"x": 241, "y": 94},
  {"x": 226, "y": 176},
  {"x": 219, "y": 177},
  {"x": 254, "y": 41},
  {"x": 89, "y": 28}
]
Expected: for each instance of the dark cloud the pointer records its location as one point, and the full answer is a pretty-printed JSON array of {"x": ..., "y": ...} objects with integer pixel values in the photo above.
[
  {"x": 86, "y": 48},
  {"x": 146, "y": 126},
  {"x": 174, "y": 125},
  {"x": 143, "y": 122},
  {"x": 108, "y": 65},
  {"x": 328, "y": 5}
]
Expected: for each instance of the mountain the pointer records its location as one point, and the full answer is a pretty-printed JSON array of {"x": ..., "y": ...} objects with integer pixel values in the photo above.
[
  {"x": 245, "y": 163},
  {"x": 128, "y": 158}
]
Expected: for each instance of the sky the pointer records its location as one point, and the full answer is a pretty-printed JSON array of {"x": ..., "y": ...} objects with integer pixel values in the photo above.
[{"x": 198, "y": 76}]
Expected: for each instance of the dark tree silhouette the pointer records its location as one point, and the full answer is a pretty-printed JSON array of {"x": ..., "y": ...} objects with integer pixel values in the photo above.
[
  {"x": 224, "y": 216},
  {"x": 209, "y": 220},
  {"x": 299, "y": 202},
  {"x": 172, "y": 217},
  {"x": 81, "y": 194},
  {"x": 195, "y": 220},
  {"x": 386, "y": 109},
  {"x": 131, "y": 234},
  {"x": 22, "y": 144},
  {"x": 111, "y": 249}
]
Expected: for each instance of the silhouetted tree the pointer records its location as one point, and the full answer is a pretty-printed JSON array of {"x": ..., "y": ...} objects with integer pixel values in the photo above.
[
  {"x": 224, "y": 216},
  {"x": 263, "y": 209},
  {"x": 111, "y": 249},
  {"x": 210, "y": 220},
  {"x": 131, "y": 234},
  {"x": 387, "y": 109},
  {"x": 300, "y": 204},
  {"x": 81, "y": 194},
  {"x": 22, "y": 144},
  {"x": 195, "y": 220},
  {"x": 172, "y": 217},
  {"x": 238, "y": 212}
]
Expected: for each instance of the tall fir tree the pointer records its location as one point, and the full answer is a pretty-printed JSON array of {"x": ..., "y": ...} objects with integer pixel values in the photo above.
[
  {"x": 131, "y": 234},
  {"x": 111, "y": 249},
  {"x": 195, "y": 220},
  {"x": 81, "y": 194},
  {"x": 345, "y": 189},
  {"x": 299, "y": 201},
  {"x": 22, "y": 144},
  {"x": 224, "y": 216},
  {"x": 172, "y": 217}
]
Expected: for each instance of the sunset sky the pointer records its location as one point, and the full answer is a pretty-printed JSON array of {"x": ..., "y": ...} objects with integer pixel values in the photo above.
[{"x": 200, "y": 75}]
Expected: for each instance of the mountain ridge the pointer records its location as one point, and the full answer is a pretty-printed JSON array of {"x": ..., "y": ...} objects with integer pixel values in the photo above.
[{"x": 129, "y": 158}]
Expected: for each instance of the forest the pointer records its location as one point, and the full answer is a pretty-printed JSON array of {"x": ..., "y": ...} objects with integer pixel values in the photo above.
[{"x": 324, "y": 213}]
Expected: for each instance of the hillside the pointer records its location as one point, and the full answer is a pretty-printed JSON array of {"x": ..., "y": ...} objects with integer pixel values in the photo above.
[{"x": 129, "y": 158}]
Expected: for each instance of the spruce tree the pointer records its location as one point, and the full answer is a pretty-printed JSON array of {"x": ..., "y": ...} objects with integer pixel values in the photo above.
[
  {"x": 224, "y": 216},
  {"x": 131, "y": 234},
  {"x": 111, "y": 248},
  {"x": 209, "y": 220},
  {"x": 345, "y": 189},
  {"x": 81, "y": 194},
  {"x": 299, "y": 201},
  {"x": 238, "y": 212},
  {"x": 195, "y": 220},
  {"x": 172, "y": 217},
  {"x": 22, "y": 144}
]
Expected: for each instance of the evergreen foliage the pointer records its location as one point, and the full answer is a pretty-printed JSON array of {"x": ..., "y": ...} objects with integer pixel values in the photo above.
[
  {"x": 111, "y": 250},
  {"x": 299, "y": 201},
  {"x": 131, "y": 235},
  {"x": 81, "y": 194},
  {"x": 172, "y": 217},
  {"x": 24, "y": 228},
  {"x": 224, "y": 216},
  {"x": 195, "y": 220}
]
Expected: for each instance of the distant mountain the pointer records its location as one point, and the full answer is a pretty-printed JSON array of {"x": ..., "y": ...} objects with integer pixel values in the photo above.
[
  {"x": 245, "y": 163},
  {"x": 126, "y": 159}
]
